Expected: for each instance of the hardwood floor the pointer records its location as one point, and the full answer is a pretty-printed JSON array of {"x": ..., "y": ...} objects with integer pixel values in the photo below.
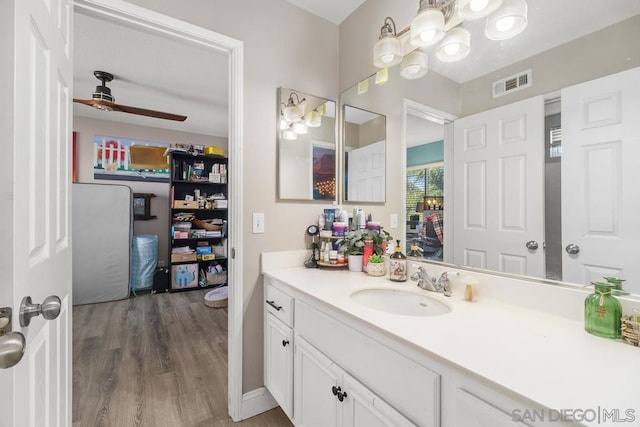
[{"x": 154, "y": 360}]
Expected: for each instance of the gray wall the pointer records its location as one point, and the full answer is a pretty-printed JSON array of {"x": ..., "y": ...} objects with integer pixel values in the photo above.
[
  {"x": 284, "y": 46},
  {"x": 87, "y": 128}
]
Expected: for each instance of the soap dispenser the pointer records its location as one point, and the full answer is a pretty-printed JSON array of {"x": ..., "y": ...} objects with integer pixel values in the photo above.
[
  {"x": 602, "y": 312},
  {"x": 398, "y": 265}
]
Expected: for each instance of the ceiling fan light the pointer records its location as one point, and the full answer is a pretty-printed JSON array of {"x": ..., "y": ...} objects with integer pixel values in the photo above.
[
  {"x": 387, "y": 52},
  {"x": 509, "y": 20},
  {"x": 102, "y": 107},
  {"x": 414, "y": 65},
  {"x": 470, "y": 10},
  {"x": 455, "y": 46},
  {"x": 427, "y": 28}
]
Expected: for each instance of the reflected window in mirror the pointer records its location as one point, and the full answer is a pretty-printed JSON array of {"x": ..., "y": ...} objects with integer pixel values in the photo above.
[
  {"x": 365, "y": 134},
  {"x": 306, "y": 146}
]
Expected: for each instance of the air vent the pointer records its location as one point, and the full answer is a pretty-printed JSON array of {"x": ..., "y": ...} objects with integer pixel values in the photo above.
[{"x": 512, "y": 83}]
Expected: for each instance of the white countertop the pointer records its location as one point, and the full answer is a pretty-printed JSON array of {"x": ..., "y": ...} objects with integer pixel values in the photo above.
[{"x": 548, "y": 359}]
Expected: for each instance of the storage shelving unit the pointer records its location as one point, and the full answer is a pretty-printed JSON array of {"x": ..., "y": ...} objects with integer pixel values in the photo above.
[{"x": 198, "y": 182}]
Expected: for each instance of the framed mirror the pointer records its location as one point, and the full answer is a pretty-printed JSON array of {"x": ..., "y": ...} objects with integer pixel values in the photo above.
[
  {"x": 364, "y": 155},
  {"x": 306, "y": 146},
  {"x": 553, "y": 72}
]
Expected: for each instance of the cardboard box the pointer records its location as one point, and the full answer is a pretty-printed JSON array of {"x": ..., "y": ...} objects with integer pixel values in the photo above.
[
  {"x": 180, "y": 235},
  {"x": 185, "y": 204},
  {"x": 184, "y": 276},
  {"x": 183, "y": 257},
  {"x": 207, "y": 257},
  {"x": 202, "y": 250},
  {"x": 220, "y": 204}
]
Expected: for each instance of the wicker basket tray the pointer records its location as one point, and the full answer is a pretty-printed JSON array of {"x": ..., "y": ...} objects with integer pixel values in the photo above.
[
  {"x": 630, "y": 329},
  {"x": 217, "y": 279},
  {"x": 197, "y": 223}
]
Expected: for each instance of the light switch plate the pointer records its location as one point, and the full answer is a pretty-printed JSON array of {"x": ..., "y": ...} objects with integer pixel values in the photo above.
[
  {"x": 394, "y": 221},
  {"x": 258, "y": 223}
]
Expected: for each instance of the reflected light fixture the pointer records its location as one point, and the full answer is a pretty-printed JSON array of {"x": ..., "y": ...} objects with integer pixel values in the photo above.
[
  {"x": 441, "y": 22},
  {"x": 387, "y": 51},
  {"x": 415, "y": 65},
  {"x": 509, "y": 20},
  {"x": 293, "y": 111},
  {"x": 300, "y": 128},
  {"x": 313, "y": 119},
  {"x": 289, "y": 134}
]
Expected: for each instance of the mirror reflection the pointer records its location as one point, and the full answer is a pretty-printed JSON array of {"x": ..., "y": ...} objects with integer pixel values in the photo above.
[
  {"x": 600, "y": 175},
  {"x": 306, "y": 146},
  {"x": 364, "y": 142}
]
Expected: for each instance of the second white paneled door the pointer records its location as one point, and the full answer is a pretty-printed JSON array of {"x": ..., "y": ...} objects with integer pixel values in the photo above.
[
  {"x": 600, "y": 176},
  {"x": 498, "y": 199}
]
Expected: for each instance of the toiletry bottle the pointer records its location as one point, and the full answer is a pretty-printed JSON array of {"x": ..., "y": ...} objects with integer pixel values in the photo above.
[
  {"x": 362, "y": 223},
  {"x": 398, "y": 265},
  {"x": 602, "y": 312},
  {"x": 414, "y": 253}
]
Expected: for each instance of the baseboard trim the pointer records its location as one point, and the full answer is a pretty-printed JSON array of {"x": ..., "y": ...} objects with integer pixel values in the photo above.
[{"x": 256, "y": 402}]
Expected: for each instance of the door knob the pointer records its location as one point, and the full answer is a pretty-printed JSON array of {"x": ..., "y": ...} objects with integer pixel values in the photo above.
[
  {"x": 12, "y": 347},
  {"x": 50, "y": 309},
  {"x": 572, "y": 249},
  {"x": 532, "y": 244}
]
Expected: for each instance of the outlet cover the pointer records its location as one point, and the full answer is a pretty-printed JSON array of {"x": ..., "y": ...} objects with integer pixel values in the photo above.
[{"x": 393, "y": 221}]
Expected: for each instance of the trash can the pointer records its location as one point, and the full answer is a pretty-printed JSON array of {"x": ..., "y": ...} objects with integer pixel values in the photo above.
[{"x": 144, "y": 258}]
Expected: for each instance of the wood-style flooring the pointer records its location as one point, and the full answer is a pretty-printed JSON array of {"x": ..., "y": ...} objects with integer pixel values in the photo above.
[{"x": 154, "y": 360}]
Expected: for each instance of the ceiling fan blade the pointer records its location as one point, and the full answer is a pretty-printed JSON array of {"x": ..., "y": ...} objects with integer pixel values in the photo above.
[
  {"x": 148, "y": 113},
  {"x": 88, "y": 102}
]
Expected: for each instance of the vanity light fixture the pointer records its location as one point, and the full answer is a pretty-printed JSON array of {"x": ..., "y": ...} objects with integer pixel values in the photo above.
[
  {"x": 415, "y": 65},
  {"x": 387, "y": 51},
  {"x": 440, "y": 22},
  {"x": 509, "y": 20},
  {"x": 299, "y": 127},
  {"x": 313, "y": 119},
  {"x": 455, "y": 46},
  {"x": 427, "y": 28}
]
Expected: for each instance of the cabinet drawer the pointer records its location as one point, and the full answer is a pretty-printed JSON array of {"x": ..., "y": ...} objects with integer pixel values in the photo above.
[
  {"x": 408, "y": 387},
  {"x": 278, "y": 303}
]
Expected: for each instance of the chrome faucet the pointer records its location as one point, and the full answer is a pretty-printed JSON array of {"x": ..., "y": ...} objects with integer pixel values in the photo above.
[{"x": 429, "y": 283}]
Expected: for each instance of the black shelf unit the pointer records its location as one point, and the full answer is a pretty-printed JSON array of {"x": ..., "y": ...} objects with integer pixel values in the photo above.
[{"x": 190, "y": 174}]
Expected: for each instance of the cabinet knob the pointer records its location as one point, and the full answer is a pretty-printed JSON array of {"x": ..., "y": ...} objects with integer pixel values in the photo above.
[
  {"x": 342, "y": 395},
  {"x": 335, "y": 390},
  {"x": 285, "y": 342}
]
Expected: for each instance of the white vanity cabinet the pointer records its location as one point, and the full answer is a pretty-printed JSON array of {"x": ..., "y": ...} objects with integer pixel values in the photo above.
[
  {"x": 325, "y": 395},
  {"x": 278, "y": 347}
]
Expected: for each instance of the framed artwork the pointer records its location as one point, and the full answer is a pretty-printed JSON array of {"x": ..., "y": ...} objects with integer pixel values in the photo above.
[{"x": 116, "y": 158}]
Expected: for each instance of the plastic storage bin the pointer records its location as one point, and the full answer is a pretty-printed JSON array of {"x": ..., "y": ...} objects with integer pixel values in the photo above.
[{"x": 144, "y": 258}]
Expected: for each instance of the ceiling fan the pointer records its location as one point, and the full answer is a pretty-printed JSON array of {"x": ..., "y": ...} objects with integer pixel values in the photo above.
[{"x": 103, "y": 100}]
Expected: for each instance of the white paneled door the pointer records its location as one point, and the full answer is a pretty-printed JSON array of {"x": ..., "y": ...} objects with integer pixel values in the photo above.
[
  {"x": 498, "y": 199},
  {"x": 35, "y": 249},
  {"x": 600, "y": 178},
  {"x": 367, "y": 173}
]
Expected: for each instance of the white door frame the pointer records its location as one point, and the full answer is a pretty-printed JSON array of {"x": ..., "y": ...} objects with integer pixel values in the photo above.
[
  {"x": 121, "y": 11},
  {"x": 446, "y": 119}
]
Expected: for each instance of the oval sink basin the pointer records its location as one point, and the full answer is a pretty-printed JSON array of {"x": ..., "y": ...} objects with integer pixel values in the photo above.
[{"x": 399, "y": 301}]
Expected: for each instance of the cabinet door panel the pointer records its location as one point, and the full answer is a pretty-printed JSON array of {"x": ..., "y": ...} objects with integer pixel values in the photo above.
[
  {"x": 362, "y": 408},
  {"x": 278, "y": 374},
  {"x": 314, "y": 376}
]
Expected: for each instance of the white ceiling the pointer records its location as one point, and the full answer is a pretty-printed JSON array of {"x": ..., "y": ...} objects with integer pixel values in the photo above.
[
  {"x": 153, "y": 72},
  {"x": 160, "y": 73}
]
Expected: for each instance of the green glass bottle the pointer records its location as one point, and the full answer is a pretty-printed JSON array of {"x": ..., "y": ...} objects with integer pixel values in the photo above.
[
  {"x": 602, "y": 312},
  {"x": 617, "y": 285}
]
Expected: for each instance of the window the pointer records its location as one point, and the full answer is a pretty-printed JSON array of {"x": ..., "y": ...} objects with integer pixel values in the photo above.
[{"x": 426, "y": 180}]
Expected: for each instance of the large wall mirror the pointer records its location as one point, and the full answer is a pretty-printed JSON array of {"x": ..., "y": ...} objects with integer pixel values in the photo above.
[
  {"x": 364, "y": 150},
  {"x": 306, "y": 146},
  {"x": 601, "y": 168}
]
